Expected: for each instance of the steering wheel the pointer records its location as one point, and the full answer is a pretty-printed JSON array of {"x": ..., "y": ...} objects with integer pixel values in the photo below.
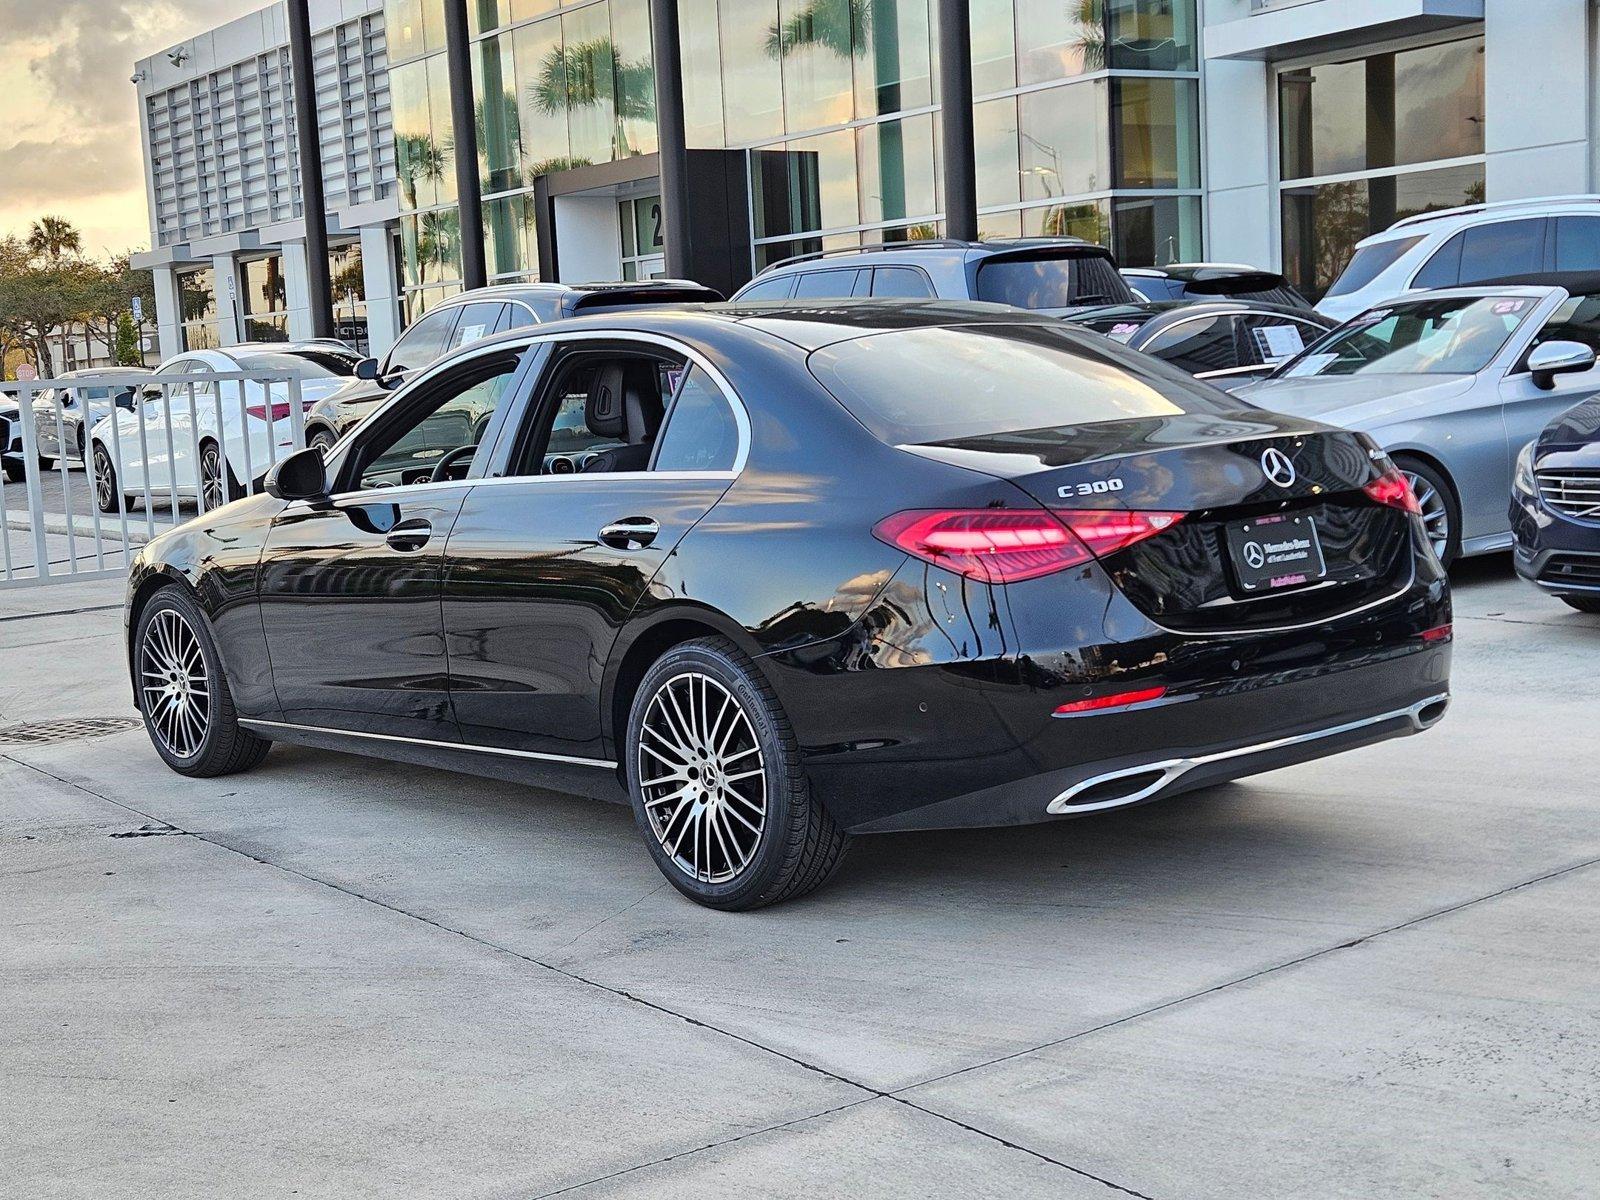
[{"x": 441, "y": 469}]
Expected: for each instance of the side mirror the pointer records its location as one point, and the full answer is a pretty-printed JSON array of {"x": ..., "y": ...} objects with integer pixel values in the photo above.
[
  {"x": 301, "y": 476},
  {"x": 1558, "y": 358},
  {"x": 125, "y": 398},
  {"x": 367, "y": 369}
]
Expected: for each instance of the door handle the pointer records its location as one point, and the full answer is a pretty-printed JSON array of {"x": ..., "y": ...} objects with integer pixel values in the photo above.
[
  {"x": 409, "y": 535},
  {"x": 630, "y": 533}
]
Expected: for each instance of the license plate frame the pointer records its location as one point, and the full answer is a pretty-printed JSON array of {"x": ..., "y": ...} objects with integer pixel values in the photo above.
[{"x": 1276, "y": 553}]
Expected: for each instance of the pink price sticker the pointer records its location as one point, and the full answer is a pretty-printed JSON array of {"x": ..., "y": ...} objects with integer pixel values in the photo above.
[{"x": 1505, "y": 308}]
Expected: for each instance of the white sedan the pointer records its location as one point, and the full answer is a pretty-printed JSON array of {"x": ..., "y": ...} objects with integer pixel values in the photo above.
[{"x": 180, "y": 423}]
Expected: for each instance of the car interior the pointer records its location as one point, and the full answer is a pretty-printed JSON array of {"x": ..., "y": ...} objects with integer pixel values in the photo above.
[{"x": 601, "y": 413}]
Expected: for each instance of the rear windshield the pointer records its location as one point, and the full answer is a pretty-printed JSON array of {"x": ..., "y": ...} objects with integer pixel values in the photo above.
[
  {"x": 299, "y": 363},
  {"x": 914, "y": 386},
  {"x": 1370, "y": 262},
  {"x": 1053, "y": 282}
]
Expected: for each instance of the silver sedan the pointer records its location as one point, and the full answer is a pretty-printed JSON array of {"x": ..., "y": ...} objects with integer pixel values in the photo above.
[
  {"x": 58, "y": 414},
  {"x": 1452, "y": 384}
]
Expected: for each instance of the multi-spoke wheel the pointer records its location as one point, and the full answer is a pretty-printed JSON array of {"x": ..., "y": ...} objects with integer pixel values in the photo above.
[
  {"x": 217, "y": 484},
  {"x": 183, "y": 694},
  {"x": 717, "y": 784},
  {"x": 323, "y": 440},
  {"x": 1438, "y": 503},
  {"x": 106, "y": 494}
]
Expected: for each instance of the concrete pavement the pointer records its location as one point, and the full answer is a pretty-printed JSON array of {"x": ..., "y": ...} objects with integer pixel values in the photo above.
[{"x": 1373, "y": 975}]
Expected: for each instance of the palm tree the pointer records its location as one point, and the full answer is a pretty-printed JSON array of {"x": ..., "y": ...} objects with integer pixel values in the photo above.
[
  {"x": 417, "y": 157},
  {"x": 1091, "y": 19},
  {"x": 54, "y": 238}
]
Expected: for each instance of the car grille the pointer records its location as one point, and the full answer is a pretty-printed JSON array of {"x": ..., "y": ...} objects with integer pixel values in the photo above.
[
  {"x": 1572, "y": 493},
  {"x": 5, "y": 435},
  {"x": 1572, "y": 570}
]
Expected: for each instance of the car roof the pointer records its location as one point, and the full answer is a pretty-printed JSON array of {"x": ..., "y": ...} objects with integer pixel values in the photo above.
[
  {"x": 809, "y": 328},
  {"x": 1450, "y": 220},
  {"x": 513, "y": 291},
  {"x": 944, "y": 251}
]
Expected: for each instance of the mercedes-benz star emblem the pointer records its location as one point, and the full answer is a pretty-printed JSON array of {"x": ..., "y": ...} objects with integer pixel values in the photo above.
[
  {"x": 1276, "y": 466},
  {"x": 1255, "y": 555}
]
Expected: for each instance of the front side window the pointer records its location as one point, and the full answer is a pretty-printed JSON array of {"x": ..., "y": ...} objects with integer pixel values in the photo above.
[
  {"x": 477, "y": 322},
  {"x": 1577, "y": 320},
  {"x": 424, "y": 341},
  {"x": 701, "y": 432},
  {"x": 1423, "y": 337},
  {"x": 439, "y": 438}
]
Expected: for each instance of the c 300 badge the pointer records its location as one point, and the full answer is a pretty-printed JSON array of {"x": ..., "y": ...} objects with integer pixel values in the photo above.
[{"x": 1099, "y": 487}]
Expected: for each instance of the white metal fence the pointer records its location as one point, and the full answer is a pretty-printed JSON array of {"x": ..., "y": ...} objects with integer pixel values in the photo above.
[{"x": 94, "y": 467}]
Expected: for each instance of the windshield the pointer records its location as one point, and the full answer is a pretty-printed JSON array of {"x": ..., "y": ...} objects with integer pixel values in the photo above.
[
  {"x": 930, "y": 384},
  {"x": 301, "y": 365},
  {"x": 1370, "y": 262},
  {"x": 1421, "y": 337},
  {"x": 1058, "y": 281}
]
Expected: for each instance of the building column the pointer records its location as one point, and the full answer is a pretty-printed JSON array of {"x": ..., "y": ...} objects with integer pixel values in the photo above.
[
  {"x": 671, "y": 134},
  {"x": 297, "y": 291},
  {"x": 169, "y": 312},
  {"x": 464, "y": 125},
  {"x": 382, "y": 282},
  {"x": 956, "y": 118},
  {"x": 225, "y": 278},
  {"x": 1539, "y": 106},
  {"x": 308, "y": 140},
  {"x": 1240, "y": 196}
]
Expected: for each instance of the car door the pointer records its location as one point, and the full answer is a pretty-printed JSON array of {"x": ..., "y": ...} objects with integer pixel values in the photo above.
[
  {"x": 546, "y": 563},
  {"x": 144, "y": 431},
  {"x": 349, "y": 585},
  {"x": 1528, "y": 408}
]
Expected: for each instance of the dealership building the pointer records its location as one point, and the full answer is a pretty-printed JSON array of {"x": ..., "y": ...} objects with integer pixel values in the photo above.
[{"x": 1271, "y": 132}]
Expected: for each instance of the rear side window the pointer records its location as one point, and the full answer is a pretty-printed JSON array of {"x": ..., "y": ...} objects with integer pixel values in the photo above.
[
  {"x": 1444, "y": 268},
  {"x": 1203, "y": 344},
  {"x": 1506, "y": 248},
  {"x": 1052, "y": 282},
  {"x": 477, "y": 322},
  {"x": 701, "y": 433},
  {"x": 826, "y": 285},
  {"x": 1371, "y": 261},
  {"x": 904, "y": 283},
  {"x": 769, "y": 289},
  {"x": 914, "y": 386},
  {"x": 1578, "y": 243}
]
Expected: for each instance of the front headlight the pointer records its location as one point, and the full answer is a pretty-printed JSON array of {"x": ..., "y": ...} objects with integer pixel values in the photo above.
[{"x": 1522, "y": 478}]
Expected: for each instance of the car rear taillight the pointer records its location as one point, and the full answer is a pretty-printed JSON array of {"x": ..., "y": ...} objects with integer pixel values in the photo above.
[
  {"x": 280, "y": 412},
  {"x": 997, "y": 545},
  {"x": 1393, "y": 489}
]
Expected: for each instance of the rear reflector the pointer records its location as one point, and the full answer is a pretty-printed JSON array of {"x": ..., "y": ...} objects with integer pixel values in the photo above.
[
  {"x": 1115, "y": 700},
  {"x": 1393, "y": 489},
  {"x": 997, "y": 545},
  {"x": 1439, "y": 633}
]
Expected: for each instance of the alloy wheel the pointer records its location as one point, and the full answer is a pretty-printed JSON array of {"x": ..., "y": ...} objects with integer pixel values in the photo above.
[
  {"x": 211, "y": 490},
  {"x": 1435, "y": 512},
  {"x": 703, "y": 777},
  {"x": 104, "y": 480},
  {"x": 172, "y": 681}
]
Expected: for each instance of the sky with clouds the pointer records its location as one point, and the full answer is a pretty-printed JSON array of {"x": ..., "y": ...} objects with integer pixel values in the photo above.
[{"x": 69, "y": 126}]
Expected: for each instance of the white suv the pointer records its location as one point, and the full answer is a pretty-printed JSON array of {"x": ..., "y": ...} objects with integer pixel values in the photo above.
[{"x": 1460, "y": 246}]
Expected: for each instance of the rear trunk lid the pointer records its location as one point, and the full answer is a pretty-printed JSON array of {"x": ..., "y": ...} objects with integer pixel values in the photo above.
[{"x": 1275, "y": 526}]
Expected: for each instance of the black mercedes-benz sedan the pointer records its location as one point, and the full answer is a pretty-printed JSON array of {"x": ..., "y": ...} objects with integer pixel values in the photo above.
[
  {"x": 779, "y": 576},
  {"x": 1555, "y": 508}
]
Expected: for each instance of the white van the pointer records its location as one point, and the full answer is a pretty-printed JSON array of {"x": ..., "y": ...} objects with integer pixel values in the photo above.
[{"x": 1457, "y": 247}]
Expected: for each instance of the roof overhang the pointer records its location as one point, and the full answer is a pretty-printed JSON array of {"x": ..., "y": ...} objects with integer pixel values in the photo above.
[{"x": 1281, "y": 29}]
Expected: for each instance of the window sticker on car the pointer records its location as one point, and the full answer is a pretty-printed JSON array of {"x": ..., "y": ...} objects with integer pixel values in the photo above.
[
  {"x": 1312, "y": 365},
  {"x": 1121, "y": 333},
  {"x": 1279, "y": 343},
  {"x": 1506, "y": 308},
  {"x": 470, "y": 334}
]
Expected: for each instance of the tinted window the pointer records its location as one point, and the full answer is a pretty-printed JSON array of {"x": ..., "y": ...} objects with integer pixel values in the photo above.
[
  {"x": 914, "y": 386},
  {"x": 1507, "y": 248},
  {"x": 769, "y": 289},
  {"x": 424, "y": 341},
  {"x": 455, "y": 417},
  {"x": 477, "y": 322},
  {"x": 1577, "y": 320},
  {"x": 1045, "y": 283},
  {"x": 701, "y": 434},
  {"x": 1444, "y": 268},
  {"x": 901, "y": 282},
  {"x": 1369, "y": 262},
  {"x": 1578, "y": 243},
  {"x": 826, "y": 285},
  {"x": 1203, "y": 344},
  {"x": 291, "y": 364}
]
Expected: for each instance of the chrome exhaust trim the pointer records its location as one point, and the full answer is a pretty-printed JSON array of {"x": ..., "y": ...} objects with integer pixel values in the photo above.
[{"x": 1424, "y": 714}]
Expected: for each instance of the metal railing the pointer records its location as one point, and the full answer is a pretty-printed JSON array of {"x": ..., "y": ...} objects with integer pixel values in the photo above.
[{"x": 185, "y": 443}]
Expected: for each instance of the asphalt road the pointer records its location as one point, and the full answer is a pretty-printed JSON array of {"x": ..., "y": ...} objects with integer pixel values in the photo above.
[{"x": 1369, "y": 976}]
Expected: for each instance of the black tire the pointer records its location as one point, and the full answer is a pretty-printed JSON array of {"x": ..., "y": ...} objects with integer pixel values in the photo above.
[
  {"x": 1429, "y": 483},
  {"x": 797, "y": 847},
  {"x": 1585, "y": 604},
  {"x": 224, "y": 746},
  {"x": 46, "y": 464},
  {"x": 105, "y": 482},
  {"x": 217, "y": 481},
  {"x": 80, "y": 444},
  {"x": 14, "y": 470},
  {"x": 323, "y": 439}
]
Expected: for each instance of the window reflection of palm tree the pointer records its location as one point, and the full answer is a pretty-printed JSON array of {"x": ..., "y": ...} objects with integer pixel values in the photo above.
[
  {"x": 418, "y": 158},
  {"x": 590, "y": 74}
]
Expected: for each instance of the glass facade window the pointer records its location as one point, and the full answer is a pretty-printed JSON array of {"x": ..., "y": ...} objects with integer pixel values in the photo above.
[
  {"x": 263, "y": 299},
  {"x": 197, "y": 299},
  {"x": 1155, "y": 126},
  {"x": 1066, "y": 146},
  {"x": 1359, "y": 141},
  {"x": 752, "y": 79},
  {"x": 349, "y": 281}
]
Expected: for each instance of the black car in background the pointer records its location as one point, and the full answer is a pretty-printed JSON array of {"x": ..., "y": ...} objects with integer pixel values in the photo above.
[
  {"x": 1555, "y": 508},
  {"x": 1195, "y": 283},
  {"x": 471, "y": 316},
  {"x": 1229, "y": 342},
  {"x": 824, "y": 571}
]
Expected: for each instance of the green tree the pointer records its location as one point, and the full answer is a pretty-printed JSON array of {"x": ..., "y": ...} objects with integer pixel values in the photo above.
[{"x": 128, "y": 351}]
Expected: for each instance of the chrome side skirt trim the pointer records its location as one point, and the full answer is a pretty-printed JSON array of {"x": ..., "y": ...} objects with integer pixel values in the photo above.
[
  {"x": 1172, "y": 768},
  {"x": 570, "y": 760}
]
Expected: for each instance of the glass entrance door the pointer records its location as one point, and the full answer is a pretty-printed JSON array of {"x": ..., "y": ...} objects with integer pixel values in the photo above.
[{"x": 643, "y": 247}]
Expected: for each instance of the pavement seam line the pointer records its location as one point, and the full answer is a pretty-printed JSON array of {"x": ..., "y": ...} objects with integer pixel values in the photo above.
[
  {"x": 59, "y": 612},
  {"x": 873, "y": 1093},
  {"x": 1347, "y": 944}
]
